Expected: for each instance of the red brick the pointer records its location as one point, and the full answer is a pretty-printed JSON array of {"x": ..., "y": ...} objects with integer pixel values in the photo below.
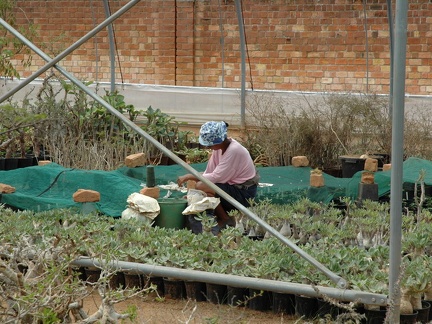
[{"x": 275, "y": 30}]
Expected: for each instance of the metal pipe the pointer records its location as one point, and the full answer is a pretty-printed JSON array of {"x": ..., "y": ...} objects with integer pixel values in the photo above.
[
  {"x": 111, "y": 45},
  {"x": 68, "y": 50},
  {"x": 397, "y": 156},
  {"x": 243, "y": 63},
  {"x": 334, "y": 277},
  {"x": 390, "y": 23},
  {"x": 238, "y": 281}
]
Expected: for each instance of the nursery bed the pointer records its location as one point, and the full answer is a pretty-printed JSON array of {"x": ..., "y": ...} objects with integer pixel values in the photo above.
[{"x": 40, "y": 188}]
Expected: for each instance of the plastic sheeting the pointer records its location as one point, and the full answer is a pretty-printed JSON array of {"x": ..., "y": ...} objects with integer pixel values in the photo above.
[
  {"x": 51, "y": 186},
  {"x": 196, "y": 105}
]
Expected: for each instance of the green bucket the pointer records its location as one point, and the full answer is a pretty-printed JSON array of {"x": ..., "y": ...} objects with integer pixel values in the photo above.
[{"x": 170, "y": 215}]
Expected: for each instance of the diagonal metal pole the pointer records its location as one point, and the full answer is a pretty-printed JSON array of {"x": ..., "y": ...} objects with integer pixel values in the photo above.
[
  {"x": 70, "y": 49},
  {"x": 341, "y": 283}
]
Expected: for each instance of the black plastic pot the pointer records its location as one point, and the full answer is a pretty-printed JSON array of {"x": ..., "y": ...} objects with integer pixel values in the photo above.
[
  {"x": 306, "y": 306},
  {"x": 80, "y": 272},
  {"x": 10, "y": 164},
  {"x": 216, "y": 294},
  {"x": 237, "y": 296},
  {"x": 117, "y": 280},
  {"x": 283, "y": 303},
  {"x": 334, "y": 172},
  {"x": 133, "y": 280},
  {"x": 351, "y": 165},
  {"x": 174, "y": 288},
  {"x": 157, "y": 283},
  {"x": 25, "y": 162},
  {"x": 430, "y": 311},
  {"x": 327, "y": 309},
  {"x": 259, "y": 300},
  {"x": 195, "y": 290},
  {"x": 92, "y": 274},
  {"x": 408, "y": 318},
  {"x": 375, "y": 316},
  {"x": 423, "y": 313}
]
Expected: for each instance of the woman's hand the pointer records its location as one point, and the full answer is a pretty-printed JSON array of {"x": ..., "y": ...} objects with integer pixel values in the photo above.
[{"x": 182, "y": 179}]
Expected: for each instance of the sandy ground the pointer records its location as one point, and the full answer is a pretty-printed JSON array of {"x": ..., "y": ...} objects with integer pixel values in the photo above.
[{"x": 152, "y": 310}]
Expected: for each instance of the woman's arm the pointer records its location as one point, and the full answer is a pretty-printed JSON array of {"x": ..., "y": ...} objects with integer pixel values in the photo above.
[{"x": 185, "y": 178}]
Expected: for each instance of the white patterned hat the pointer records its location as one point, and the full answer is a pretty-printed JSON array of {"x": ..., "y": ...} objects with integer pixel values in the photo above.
[{"x": 213, "y": 133}]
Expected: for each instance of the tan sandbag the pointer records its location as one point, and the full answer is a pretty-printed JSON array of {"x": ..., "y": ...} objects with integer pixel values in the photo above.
[
  {"x": 367, "y": 177},
  {"x": 299, "y": 161},
  {"x": 316, "y": 180},
  {"x": 190, "y": 184},
  {"x": 371, "y": 165},
  {"x": 387, "y": 167},
  {"x": 135, "y": 160},
  {"x": 6, "y": 189},
  {"x": 44, "y": 162},
  {"x": 86, "y": 195},
  {"x": 153, "y": 192}
]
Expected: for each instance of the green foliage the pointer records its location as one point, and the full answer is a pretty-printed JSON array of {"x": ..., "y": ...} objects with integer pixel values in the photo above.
[
  {"x": 48, "y": 316},
  {"x": 100, "y": 139},
  {"x": 133, "y": 312},
  {"x": 322, "y": 130},
  {"x": 165, "y": 130},
  {"x": 10, "y": 47},
  {"x": 332, "y": 238},
  {"x": 17, "y": 128},
  {"x": 196, "y": 155}
]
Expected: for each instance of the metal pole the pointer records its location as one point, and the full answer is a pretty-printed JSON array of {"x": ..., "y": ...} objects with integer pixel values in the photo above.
[
  {"x": 243, "y": 63},
  {"x": 111, "y": 45},
  {"x": 69, "y": 49},
  {"x": 334, "y": 277},
  {"x": 397, "y": 156},
  {"x": 238, "y": 281},
  {"x": 390, "y": 22}
]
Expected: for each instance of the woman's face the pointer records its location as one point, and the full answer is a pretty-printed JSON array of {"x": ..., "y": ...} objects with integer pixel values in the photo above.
[{"x": 215, "y": 147}]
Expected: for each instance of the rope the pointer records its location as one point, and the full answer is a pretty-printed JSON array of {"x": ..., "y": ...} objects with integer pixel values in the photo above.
[
  {"x": 222, "y": 43},
  {"x": 54, "y": 181},
  {"x": 116, "y": 47},
  {"x": 367, "y": 46},
  {"x": 95, "y": 42},
  {"x": 247, "y": 49}
]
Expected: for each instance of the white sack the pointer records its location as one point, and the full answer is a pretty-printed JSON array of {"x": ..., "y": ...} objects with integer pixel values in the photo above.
[
  {"x": 143, "y": 204},
  {"x": 202, "y": 205},
  {"x": 195, "y": 195},
  {"x": 130, "y": 213},
  {"x": 173, "y": 187}
]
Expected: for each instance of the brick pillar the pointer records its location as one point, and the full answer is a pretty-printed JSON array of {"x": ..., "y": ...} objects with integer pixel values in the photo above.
[{"x": 185, "y": 24}]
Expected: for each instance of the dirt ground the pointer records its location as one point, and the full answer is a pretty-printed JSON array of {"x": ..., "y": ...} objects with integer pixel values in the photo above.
[{"x": 154, "y": 311}]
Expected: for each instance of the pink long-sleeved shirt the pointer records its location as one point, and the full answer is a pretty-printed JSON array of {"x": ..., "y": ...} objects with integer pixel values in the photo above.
[{"x": 235, "y": 166}]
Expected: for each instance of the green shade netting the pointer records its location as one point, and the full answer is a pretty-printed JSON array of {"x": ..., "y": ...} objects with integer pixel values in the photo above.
[{"x": 40, "y": 188}]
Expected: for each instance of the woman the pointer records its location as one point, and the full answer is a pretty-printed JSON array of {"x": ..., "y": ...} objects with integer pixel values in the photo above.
[{"x": 230, "y": 167}]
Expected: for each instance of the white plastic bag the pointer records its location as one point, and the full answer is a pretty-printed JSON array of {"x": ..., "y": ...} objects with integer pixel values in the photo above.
[{"x": 202, "y": 205}]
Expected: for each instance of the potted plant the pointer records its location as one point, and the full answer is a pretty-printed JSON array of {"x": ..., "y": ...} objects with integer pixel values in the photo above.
[{"x": 16, "y": 131}]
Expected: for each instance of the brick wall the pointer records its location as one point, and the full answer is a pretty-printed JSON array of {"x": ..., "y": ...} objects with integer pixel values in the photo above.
[{"x": 298, "y": 45}]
